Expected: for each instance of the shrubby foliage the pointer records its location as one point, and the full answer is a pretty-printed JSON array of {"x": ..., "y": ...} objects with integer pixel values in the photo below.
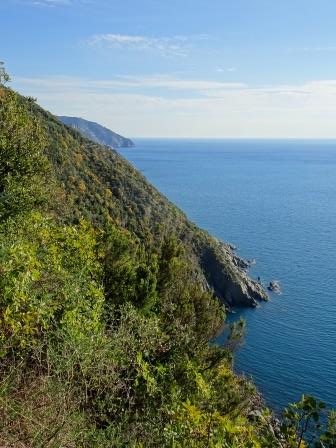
[
  {"x": 50, "y": 278},
  {"x": 21, "y": 156},
  {"x": 104, "y": 332},
  {"x": 303, "y": 424}
]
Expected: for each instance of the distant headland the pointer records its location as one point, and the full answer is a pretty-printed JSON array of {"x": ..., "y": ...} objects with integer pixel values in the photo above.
[{"x": 97, "y": 132}]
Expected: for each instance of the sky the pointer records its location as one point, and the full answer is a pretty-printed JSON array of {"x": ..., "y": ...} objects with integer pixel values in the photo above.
[{"x": 178, "y": 68}]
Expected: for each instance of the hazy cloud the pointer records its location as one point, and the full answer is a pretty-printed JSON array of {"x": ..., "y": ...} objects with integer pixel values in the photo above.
[
  {"x": 314, "y": 49},
  {"x": 133, "y": 82},
  {"x": 53, "y": 3},
  {"x": 164, "y": 106},
  {"x": 49, "y": 3},
  {"x": 167, "y": 46}
]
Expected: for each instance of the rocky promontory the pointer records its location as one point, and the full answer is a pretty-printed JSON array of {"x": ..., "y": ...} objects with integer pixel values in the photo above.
[
  {"x": 226, "y": 273},
  {"x": 97, "y": 133}
]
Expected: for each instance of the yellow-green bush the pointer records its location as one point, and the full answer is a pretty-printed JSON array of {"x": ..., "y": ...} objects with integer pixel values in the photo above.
[{"x": 50, "y": 275}]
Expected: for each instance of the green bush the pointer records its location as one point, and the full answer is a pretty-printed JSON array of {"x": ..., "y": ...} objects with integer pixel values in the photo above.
[{"x": 50, "y": 276}]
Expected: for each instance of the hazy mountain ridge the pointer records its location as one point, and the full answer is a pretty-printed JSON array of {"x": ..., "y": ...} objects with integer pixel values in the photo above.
[{"x": 97, "y": 133}]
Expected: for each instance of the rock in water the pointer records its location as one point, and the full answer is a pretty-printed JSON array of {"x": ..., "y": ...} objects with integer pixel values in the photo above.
[{"x": 274, "y": 286}]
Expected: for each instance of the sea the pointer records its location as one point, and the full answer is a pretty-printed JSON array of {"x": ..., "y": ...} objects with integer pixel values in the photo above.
[{"x": 276, "y": 201}]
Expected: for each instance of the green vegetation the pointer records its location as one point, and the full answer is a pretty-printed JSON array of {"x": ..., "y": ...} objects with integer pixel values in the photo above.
[
  {"x": 104, "y": 319},
  {"x": 304, "y": 420}
]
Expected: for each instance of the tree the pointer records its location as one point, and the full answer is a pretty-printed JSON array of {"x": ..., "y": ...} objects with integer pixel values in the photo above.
[
  {"x": 22, "y": 163},
  {"x": 4, "y": 77},
  {"x": 304, "y": 420}
]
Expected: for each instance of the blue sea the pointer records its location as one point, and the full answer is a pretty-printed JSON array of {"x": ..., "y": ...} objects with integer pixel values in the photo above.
[{"x": 276, "y": 201}]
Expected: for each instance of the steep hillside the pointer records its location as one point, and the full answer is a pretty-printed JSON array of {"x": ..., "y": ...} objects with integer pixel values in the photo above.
[
  {"x": 103, "y": 334},
  {"x": 97, "y": 132},
  {"x": 104, "y": 325},
  {"x": 103, "y": 186}
]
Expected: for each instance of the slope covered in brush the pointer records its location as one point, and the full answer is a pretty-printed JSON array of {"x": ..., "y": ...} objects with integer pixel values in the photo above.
[
  {"x": 103, "y": 334},
  {"x": 101, "y": 186}
]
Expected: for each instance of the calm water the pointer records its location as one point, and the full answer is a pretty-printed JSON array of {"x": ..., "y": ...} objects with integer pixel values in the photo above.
[{"x": 276, "y": 200}]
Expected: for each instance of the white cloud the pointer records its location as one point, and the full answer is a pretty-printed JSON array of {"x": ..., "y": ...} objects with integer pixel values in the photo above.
[
  {"x": 179, "y": 84},
  {"x": 314, "y": 49},
  {"x": 133, "y": 82},
  {"x": 49, "y": 3},
  {"x": 166, "y": 106},
  {"x": 53, "y": 3},
  {"x": 223, "y": 70},
  {"x": 167, "y": 46}
]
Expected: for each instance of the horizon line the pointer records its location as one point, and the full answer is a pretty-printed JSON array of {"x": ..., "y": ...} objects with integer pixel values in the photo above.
[{"x": 234, "y": 138}]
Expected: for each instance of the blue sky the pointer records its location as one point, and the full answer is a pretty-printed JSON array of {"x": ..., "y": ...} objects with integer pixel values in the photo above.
[{"x": 179, "y": 68}]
